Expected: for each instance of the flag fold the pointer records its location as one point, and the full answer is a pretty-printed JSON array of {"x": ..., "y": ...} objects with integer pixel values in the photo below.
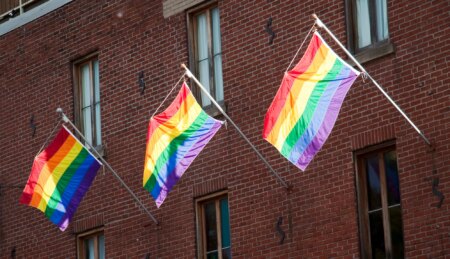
[
  {"x": 59, "y": 178},
  {"x": 306, "y": 106},
  {"x": 175, "y": 137}
]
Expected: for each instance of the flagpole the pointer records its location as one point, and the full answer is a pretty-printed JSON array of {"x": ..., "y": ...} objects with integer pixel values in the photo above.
[
  {"x": 322, "y": 25},
  {"x": 66, "y": 119},
  {"x": 190, "y": 75}
]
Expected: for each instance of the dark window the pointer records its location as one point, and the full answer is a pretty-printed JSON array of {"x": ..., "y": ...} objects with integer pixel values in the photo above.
[
  {"x": 213, "y": 227},
  {"x": 87, "y": 100},
  {"x": 367, "y": 28},
  {"x": 206, "y": 52},
  {"x": 91, "y": 245},
  {"x": 380, "y": 214}
]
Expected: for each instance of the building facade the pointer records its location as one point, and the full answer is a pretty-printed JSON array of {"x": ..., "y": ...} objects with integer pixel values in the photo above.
[{"x": 375, "y": 190}]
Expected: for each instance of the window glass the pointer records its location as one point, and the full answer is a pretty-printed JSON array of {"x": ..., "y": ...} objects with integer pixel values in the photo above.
[
  {"x": 382, "y": 26},
  {"x": 217, "y": 52},
  {"x": 205, "y": 45},
  {"x": 367, "y": 28},
  {"x": 363, "y": 18},
  {"x": 373, "y": 183},
  {"x": 91, "y": 245},
  {"x": 202, "y": 52},
  {"x": 225, "y": 220},
  {"x": 87, "y": 100},
  {"x": 211, "y": 227},
  {"x": 395, "y": 217},
  {"x": 213, "y": 234},
  {"x": 101, "y": 247},
  {"x": 380, "y": 215}
]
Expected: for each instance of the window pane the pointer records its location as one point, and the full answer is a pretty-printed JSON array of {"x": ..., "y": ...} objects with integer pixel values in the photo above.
[
  {"x": 216, "y": 31},
  {"x": 392, "y": 182},
  {"x": 363, "y": 23},
  {"x": 202, "y": 56},
  {"x": 210, "y": 226},
  {"x": 87, "y": 124},
  {"x": 225, "y": 221},
  {"x": 89, "y": 248},
  {"x": 98, "y": 135},
  {"x": 382, "y": 25},
  {"x": 203, "y": 69},
  {"x": 86, "y": 102},
  {"x": 395, "y": 218},
  {"x": 212, "y": 255},
  {"x": 218, "y": 80},
  {"x": 202, "y": 37},
  {"x": 373, "y": 182},
  {"x": 96, "y": 81},
  {"x": 377, "y": 235},
  {"x": 101, "y": 247},
  {"x": 217, "y": 50},
  {"x": 85, "y": 86}
]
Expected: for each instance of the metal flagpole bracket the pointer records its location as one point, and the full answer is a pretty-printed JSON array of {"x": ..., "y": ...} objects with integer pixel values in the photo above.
[
  {"x": 320, "y": 24},
  {"x": 105, "y": 163}
]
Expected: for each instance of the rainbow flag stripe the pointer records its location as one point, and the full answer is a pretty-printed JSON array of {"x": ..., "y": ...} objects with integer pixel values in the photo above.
[
  {"x": 175, "y": 138},
  {"x": 307, "y": 104},
  {"x": 60, "y": 176}
]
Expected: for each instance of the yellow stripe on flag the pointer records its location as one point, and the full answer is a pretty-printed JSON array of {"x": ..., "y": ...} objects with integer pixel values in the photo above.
[
  {"x": 161, "y": 138},
  {"x": 48, "y": 168},
  {"x": 301, "y": 91},
  {"x": 59, "y": 170}
]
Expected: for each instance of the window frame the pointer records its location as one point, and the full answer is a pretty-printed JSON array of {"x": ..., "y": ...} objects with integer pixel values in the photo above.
[
  {"x": 79, "y": 121},
  {"x": 362, "y": 197},
  {"x": 87, "y": 235},
  {"x": 193, "y": 53},
  {"x": 200, "y": 223},
  {"x": 29, "y": 11},
  {"x": 376, "y": 49}
]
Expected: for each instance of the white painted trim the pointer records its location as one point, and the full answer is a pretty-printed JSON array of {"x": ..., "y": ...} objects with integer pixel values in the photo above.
[{"x": 31, "y": 15}]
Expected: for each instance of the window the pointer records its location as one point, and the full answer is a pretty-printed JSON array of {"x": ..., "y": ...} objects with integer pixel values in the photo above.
[
  {"x": 206, "y": 52},
  {"x": 91, "y": 245},
  {"x": 15, "y": 13},
  {"x": 87, "y": 100},
  {"x": 213, "y": 227},
  {"x": 380, "y": 214},
  {"x": 367, "y": 28}
]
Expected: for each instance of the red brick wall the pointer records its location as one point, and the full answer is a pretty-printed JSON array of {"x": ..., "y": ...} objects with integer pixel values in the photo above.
[{"x": 319, "y": 214}]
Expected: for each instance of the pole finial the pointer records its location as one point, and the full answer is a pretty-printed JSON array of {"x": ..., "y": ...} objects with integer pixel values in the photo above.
[
  {"x": 318, "y": 21},
  {"x": 188, "y": 72},
  {"x": 63, "y": 116}
]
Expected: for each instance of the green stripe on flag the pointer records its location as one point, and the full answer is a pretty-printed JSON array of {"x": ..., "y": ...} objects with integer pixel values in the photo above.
[
  {"x": 64, "y": 181},
  {"x": 173, "y": 147},
  {"x": 302, "y": 124}
]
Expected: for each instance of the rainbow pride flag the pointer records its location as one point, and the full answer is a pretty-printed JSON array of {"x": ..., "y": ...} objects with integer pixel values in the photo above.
[
  {"x": 175, "y": 138},
  {"x": 307, "y": 104},
  {"x": 60, "y": 176}
]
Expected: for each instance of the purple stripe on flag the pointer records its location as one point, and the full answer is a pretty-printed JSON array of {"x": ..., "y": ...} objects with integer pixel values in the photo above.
[
  {"x": 75, "y": 194},
  {"x": 189, "y": 153},
  {"x": 318, "y": 116},
  {"x": 327, "y": 124}
]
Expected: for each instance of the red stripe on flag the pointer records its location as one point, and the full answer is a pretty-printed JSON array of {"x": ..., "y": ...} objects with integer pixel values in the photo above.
[
  {"x": 288, "y": 80},
  {"x": 170, "y": 111},
  {"x": 39, "y": 163}
]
